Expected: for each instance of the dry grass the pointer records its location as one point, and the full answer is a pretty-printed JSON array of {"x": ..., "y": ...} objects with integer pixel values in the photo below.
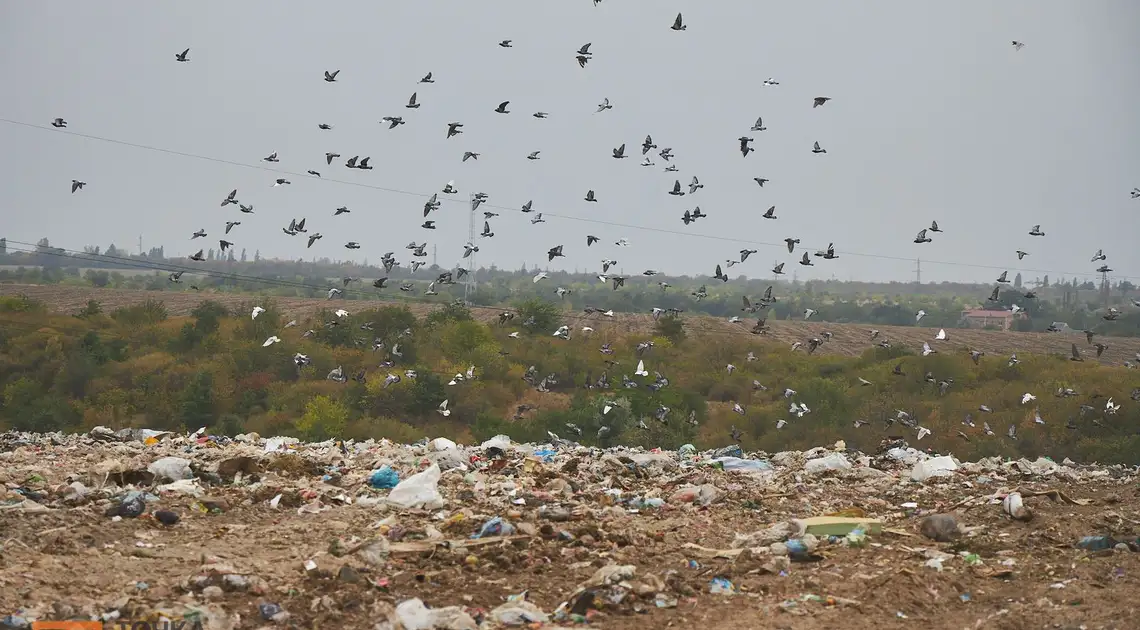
[{"x": 848, "y": 339}]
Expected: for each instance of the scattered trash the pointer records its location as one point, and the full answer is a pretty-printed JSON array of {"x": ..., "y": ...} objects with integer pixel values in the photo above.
[
  {"x": 495, "y": 527},
  {"x": 329, "y": 529},
  {"x": 722, "y": 586}
]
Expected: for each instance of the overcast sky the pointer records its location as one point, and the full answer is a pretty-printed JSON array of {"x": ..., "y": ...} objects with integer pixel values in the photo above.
[{"x": 934, "y": 116}]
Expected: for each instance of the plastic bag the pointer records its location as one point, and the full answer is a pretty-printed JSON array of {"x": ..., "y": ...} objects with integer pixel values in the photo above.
[
  {"x": 419, "y": 490},
  {"x": 833, "y": 461},
  {"x": 172, "y": 468},
  {"x": 384, "y": 478},
  {"x": 737, "y": 463}
]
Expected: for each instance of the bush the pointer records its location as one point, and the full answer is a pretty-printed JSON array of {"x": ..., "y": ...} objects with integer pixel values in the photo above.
[
  {"x": 324, "y": 419},
  {"x": 207, "y": 316},
  {"x": 538, "y": 316},
  {"x": 20, "y": 304},
  {"x": 670, "y": 327},
  {"x": 146, "y": 314},
  {"x": 92, "y": 309}
]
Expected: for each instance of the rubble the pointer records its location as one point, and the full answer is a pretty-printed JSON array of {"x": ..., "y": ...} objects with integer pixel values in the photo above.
[{"x": 243, "y": 532}]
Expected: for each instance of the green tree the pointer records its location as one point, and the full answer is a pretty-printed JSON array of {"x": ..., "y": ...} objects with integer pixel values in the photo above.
[
  {"x": 196, "y": 407},
  {"x": 670, "y": 327},
  {"x": 537, "y": 316},
  {"x": 324, "y": 418},
  {"x": 92, "y": 308},
  {"x": 207, "y": 316},
  {"x": 1017, "y": 281}
]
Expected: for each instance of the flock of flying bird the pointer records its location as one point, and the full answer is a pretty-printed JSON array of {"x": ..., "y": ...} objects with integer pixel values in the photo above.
[{"x": 297, "y": 227}]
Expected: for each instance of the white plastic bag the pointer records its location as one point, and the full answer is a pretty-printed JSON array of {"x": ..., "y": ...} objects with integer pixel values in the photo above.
[
  {"x": 171, "y": 468},
  {"x": 941, "y": 466},
  {"x": 419, "y": 490},
  {"x": 833, "y": 461}
]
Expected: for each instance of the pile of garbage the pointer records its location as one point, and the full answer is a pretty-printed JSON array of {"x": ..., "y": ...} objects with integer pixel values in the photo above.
[{"x": 249, "y": 531}]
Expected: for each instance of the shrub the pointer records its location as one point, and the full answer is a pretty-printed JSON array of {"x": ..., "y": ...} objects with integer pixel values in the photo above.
[
  {"x": 148, "y": 313},
  {"x": 537, "y": 316}
]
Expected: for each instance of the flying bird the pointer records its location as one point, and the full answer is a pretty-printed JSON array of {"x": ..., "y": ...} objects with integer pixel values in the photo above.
[
  {"x": 331, "y": 76},
  {"x": 745, "y": 149},
  {"x": 605, "y": 104},
  {"x": 76, "y": 185},
  {"x": 816, "y": 149},
  {"x": 412, "y": 104},
  {"x": 427, "y": 79},
  {"x": 1017, "y": 45},
  {"x": 820, "y": 100},
  {"x": 59, "y": 123},
  {"x": 182, "y": 56},
  {"x": 502, "y": 108},
  {"x": 678, "y": 25},
  {"x": 759, "y": 126}
]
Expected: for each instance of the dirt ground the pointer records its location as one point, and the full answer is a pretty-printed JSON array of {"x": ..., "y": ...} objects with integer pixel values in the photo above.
[
  {"x": 65, "y": 557},
  {"x": 849, "y": 339}
]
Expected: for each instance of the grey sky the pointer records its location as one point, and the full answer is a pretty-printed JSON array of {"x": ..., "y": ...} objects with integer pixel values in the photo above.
[{"x": 935, "y": 116}]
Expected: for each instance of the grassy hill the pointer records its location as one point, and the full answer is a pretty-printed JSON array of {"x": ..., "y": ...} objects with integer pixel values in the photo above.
[{"x": 129, "y": 361}]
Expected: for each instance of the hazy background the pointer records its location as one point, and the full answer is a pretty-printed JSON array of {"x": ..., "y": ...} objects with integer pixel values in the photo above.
[{"x": 935, "y": 116}]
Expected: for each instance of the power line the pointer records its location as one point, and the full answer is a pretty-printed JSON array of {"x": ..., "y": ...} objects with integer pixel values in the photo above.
[{"x": 421, "y": 195}]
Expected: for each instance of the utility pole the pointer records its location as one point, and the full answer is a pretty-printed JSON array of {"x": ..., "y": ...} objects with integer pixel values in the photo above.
[
  {"x": 918, "y": 271},
  {"x": 140, "y": 244},
  {"x": 434, "y": 262},
  {"x": 469, "y": 285}
]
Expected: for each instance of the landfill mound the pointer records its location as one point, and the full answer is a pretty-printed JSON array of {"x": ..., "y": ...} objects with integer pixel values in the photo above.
[{"x": 135, "y": 525}]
